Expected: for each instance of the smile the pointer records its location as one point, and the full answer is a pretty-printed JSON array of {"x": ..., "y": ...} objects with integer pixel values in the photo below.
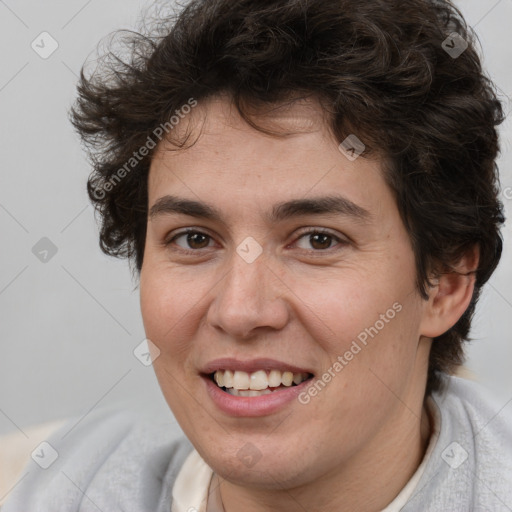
[{"x": 258, "y": 383}]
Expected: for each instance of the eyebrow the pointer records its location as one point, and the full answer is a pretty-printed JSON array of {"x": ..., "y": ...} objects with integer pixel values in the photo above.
[{"x": 328, "y": 205}]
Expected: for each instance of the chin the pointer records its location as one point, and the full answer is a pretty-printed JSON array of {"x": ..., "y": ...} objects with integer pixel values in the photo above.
[{"x": 272, "y": 472}]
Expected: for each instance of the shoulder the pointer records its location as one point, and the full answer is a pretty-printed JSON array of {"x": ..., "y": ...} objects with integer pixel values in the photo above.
[
  {"x": 469, "y": 404},
  {"x": 111, "y": 459},
  {"x": 470, "y": 467}
]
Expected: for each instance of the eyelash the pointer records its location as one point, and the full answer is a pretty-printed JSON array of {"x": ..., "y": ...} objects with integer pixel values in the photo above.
[{"x": 316, "y": 231}]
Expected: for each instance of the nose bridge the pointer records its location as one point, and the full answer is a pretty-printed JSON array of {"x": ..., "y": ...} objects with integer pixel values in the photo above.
[{"x": 247, "y": 298}]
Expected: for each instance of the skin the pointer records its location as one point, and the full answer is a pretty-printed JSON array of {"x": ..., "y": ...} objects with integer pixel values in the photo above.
[{"x": 303, "y": 300}]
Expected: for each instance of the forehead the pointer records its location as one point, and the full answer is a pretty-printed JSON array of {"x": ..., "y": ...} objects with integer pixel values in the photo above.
[
  {"x": 299, "y": 160},
  {"x": 216, "y": 120}
]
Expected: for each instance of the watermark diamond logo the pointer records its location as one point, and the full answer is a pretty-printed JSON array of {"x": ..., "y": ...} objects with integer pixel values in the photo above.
[
  {"x": 249, "y": 249},
  {"x": 44, "y": 45},
  {"x": 454, "y": 455},
  {"x": 146, "y": 352},
  {"x": 44, "y": 250},
  {"x": 249, "y": 455},
  {"x": 352, "y": 147},
  {"x": 455, "y": 45},
  {"x": 45, "y": 455}
]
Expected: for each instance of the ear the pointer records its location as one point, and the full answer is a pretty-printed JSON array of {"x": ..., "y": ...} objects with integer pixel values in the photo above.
[{"x": 450, "y": 297}]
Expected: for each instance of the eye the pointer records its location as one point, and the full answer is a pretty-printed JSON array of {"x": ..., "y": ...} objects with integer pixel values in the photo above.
[
  {"x": 320, "y": 240},
  {"x": 193, "y": 239}
]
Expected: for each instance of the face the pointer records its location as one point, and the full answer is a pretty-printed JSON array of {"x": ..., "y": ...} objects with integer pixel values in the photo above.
[{"x": 263, "y": 276}]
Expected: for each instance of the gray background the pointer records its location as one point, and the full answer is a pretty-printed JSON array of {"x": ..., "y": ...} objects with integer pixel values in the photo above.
[{"x": 69, "y": 325}]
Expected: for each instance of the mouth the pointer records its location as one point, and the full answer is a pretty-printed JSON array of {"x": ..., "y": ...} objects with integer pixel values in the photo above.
[
  {"x": 256, "y": 387},
  {"x": 257, "y": 383}
]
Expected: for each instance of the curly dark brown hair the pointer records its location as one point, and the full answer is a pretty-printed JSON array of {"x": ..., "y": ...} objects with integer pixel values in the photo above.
[{"x": 382, "y": 70}]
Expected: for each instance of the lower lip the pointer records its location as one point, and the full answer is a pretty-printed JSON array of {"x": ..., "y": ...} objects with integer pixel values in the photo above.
[{"x": 252, "y": 406}]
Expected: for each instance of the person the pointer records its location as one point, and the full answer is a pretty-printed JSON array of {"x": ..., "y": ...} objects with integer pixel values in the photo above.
[{"x": 308, "y": 192}]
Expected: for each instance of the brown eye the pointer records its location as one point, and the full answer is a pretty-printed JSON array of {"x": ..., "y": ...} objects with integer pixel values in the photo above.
[
  {"x": 320, "y": 241},
  {"x": 197, "y": 240},
  {"x": 317, "y": 241},
  {"x": 194, "y": 240}
]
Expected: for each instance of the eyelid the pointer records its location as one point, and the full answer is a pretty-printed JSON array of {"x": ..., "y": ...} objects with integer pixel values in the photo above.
[
  {"x": 326, "y": 231},
  {"x": 176, "y": 234},
  {"x": 342, "y": 240}
]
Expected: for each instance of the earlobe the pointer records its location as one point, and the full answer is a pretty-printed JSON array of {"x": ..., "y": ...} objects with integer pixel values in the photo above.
[{"x": 451, "y": 295}]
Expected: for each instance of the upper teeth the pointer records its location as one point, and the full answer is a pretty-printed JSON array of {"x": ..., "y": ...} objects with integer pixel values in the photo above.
[{"x": 257, "y": 380}]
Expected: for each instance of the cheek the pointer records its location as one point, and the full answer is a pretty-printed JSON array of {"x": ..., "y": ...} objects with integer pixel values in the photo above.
[
  {"x": 166, "y": 307},
  {"x": 168, "y": 304},
  {"x": 337, "y": 308},
  {"x": 368, "y": 318}
]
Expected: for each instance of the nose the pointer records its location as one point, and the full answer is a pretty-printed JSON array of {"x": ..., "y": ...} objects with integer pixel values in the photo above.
[{"x": 250, "y": 298}]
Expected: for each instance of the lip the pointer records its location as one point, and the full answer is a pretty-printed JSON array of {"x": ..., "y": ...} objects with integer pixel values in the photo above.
[
  {"x": 252, "y": 365},
  {"x": 252, "y": 406}
]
